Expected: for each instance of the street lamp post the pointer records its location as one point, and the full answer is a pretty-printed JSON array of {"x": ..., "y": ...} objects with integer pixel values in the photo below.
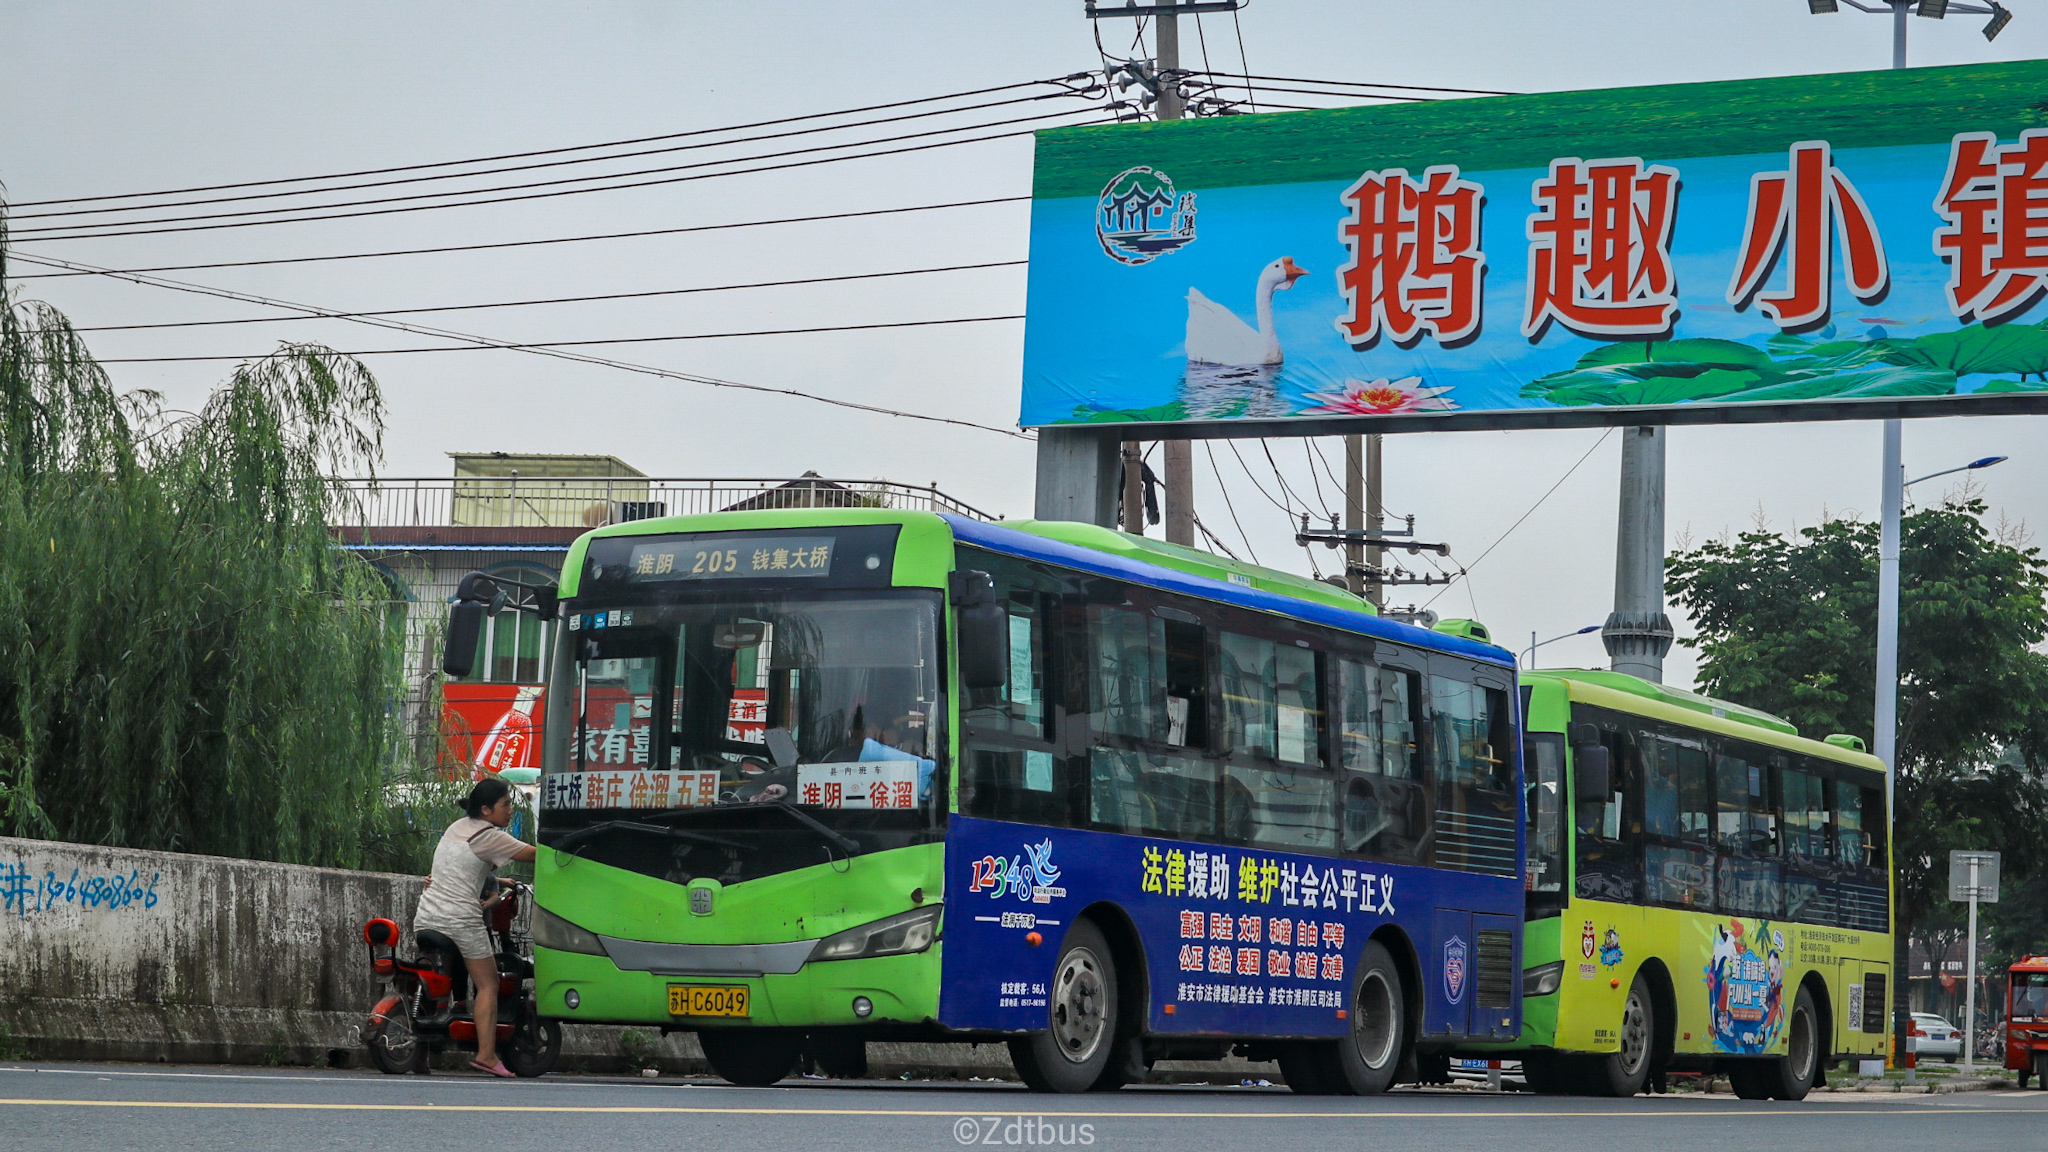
[{"x": 1534, "y": 644}]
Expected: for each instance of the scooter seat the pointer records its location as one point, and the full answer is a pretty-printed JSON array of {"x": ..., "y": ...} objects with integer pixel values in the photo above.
[{"x": 435, "y": 945}]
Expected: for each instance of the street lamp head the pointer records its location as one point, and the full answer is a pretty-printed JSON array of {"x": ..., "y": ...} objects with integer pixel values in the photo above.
[
  {"x": 1986, "y": 462},
  {"x": 2000, "y": 17},
  {"x": 1821, "y": 7},
  {"x": 1586, "y": 629},
  {"x": 1933, "y": 9}
]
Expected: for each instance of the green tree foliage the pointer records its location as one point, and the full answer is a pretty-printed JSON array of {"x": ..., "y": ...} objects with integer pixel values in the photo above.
[
  {"x": 186, "y": 661},
  {"x": 1788, "y": 624}
]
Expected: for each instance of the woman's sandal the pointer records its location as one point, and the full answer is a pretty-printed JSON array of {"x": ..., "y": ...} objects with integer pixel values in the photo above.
[{"x": 495, "y": 1069}]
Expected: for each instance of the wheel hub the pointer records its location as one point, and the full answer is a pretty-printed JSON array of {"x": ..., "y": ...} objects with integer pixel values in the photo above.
[
  {"x": 1079, "y": 1002},
  {"x": 1373, "y": 1023}
]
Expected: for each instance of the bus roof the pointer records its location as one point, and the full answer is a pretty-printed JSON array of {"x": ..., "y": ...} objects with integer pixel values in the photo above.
[
  {"x": 1103, "y": 551},
  {"x": 1108, "y": 552},
  {"x": 1625, "y": 693}
]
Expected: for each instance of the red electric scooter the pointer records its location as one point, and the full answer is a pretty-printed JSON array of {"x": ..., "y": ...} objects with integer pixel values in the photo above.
[{"x": 426, "y": 1009}]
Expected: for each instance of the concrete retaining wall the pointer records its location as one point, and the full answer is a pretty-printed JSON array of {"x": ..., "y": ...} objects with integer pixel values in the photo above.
[{"x": 115, "y": 954}]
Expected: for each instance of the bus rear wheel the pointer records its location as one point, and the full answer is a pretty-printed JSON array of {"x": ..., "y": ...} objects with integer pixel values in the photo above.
[
  {"x": 752, "y": 1058},
  {"x": 1364, "y": 1062},
  {"x": 1624, "y": 1073},
  {"x": 1075, "y": 1049},
  {"x": 1795, "y": 1074}
]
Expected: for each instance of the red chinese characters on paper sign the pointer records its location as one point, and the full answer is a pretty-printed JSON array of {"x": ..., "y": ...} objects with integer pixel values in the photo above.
[
  {"x": 1802, "y": 208},
  {"x": 1600, "y": 248},
  {"x": 1995, "y": 202},
  {"x": 1415, "y": 260}
]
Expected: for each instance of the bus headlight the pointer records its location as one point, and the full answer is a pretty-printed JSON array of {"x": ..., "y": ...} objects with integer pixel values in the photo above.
[
  {"x": 896, "y": 935},
  {"x": 551, "y": 931},
  {"x": 1541, "y": 980}
]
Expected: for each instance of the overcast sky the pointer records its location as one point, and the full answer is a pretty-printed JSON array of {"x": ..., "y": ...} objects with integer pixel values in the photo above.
[{"x": 107, "y": 97}]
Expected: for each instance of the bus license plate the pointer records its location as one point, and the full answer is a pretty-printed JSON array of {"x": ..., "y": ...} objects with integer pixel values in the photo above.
[{"x": 706, "y": 1000}]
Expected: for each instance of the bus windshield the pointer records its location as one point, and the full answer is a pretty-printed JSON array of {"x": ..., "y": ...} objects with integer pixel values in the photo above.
[{"x": 821, "y": 703}]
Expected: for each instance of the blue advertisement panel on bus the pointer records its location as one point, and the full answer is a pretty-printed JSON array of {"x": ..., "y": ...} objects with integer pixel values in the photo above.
[{"x": 1238, "y": 940}]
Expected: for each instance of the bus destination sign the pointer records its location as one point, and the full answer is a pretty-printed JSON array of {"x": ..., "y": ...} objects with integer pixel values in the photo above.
[{"x": 731, "y": 557}]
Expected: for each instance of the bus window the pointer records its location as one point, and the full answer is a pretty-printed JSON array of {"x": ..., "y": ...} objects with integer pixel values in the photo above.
[
  {"x": 1476, "y": 817},
  {"x": 1806, "y": 815},
  {"x": 1606, "y": 863},
  {"x": 1150, "y": 794},
  {"x": 1809, "y": 888},
  {"x": 1250, "y": 696},
  {"x": 1850, "y": 846},
  {"x": 1678, "y": 866},
  {"x": 1279, "y": 808},
  {"x": 1127, "y": 673},
  {"x": 1543, "y": 789},
  {"x": 1749, "y": 876},
  {"x": 1386, "y": 808}
]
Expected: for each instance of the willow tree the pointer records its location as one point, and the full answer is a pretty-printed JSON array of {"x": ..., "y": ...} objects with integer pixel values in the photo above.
[{"x": 186, "y": 660}]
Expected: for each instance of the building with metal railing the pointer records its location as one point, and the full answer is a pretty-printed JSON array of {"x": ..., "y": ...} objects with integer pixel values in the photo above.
[{"x": 516, "y": 516}]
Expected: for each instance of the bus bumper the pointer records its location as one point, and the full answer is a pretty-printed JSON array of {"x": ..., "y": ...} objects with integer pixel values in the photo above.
[{"x": 899, "y": 989}]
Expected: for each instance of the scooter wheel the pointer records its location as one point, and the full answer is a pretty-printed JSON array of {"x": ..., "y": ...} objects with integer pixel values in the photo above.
[
  {"x": 394, "y": 1044},
  {"x": 536, "y": 1043}
]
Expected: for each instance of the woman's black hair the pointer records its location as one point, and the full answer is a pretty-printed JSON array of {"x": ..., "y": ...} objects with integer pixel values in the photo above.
[{"x": 488, "y": 791}]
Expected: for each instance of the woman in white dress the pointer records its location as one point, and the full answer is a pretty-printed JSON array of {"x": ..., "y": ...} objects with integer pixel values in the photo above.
[{"x": 471, "y": 850}]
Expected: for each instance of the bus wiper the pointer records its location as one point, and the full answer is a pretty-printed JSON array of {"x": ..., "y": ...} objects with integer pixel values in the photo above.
[
  {"x": 845, "y": 842},
  {"x": 570, "y": 840}
]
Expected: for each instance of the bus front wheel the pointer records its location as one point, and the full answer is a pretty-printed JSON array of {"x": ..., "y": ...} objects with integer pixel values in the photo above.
[
  {"x": 1624, "y": 1073},
  {"x": 1071, "y": 1054},
  {"x": 751, "y": 1058}
]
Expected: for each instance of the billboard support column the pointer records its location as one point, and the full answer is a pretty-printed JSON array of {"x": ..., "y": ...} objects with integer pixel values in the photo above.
[
  {"x": 1180, "y": 491},
  {"x": 1078, "y": 470},
  {"x": 1638, "y": 633}
]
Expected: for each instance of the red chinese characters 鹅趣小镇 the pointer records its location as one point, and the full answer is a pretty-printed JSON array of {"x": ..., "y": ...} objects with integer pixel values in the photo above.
[
  {"x": 1995, "y": 203},
  {"x": 1600, "y": 248},
  {"x": 1415, "y": 258},
  {"x": 1802, "y": 207}
]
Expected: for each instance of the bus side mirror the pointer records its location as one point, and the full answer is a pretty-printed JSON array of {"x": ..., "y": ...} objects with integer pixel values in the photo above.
[
  {"x": 983, "y": 632},
  {"x": 1591, "y": 781},
  {"x": 465, "y": 628}
]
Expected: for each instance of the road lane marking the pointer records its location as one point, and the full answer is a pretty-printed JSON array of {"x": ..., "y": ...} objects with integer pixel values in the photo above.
[{"x": 253, "y": 1106}]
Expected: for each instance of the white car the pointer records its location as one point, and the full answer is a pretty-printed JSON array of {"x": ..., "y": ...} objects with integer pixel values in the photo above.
[{"x": 1941, "y": 1038}]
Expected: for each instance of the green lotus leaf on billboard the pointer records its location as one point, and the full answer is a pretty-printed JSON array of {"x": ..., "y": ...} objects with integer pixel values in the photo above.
[{"x": 2017, "y": 348}]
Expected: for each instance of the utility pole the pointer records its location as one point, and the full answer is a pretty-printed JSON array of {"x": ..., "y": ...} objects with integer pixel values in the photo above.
[
  {"x": 1177, "y": 461},
  {"x": 1364, "y": 510},
  {"x": 1638, "y": 633}
]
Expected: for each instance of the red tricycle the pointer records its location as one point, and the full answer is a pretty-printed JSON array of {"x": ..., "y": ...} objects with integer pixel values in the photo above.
[
  {"x": 426, "y": 1008},
  {"x": 2026, "y": 1019}
]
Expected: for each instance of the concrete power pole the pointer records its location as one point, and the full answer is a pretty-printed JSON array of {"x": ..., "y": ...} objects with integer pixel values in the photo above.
[
  {"x": 1178, "y": 459},
  {"x": 1363, "y": 511},
  {"x": 1638, "y": 633}
]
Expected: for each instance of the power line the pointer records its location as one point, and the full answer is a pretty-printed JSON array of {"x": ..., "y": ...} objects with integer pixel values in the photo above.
[
  {"x": 532, "y": 167},
  {"x": 553, "y": 353},
  {"x": 1531, "y": 512},
  {"x": 1361, "y": 84},
  {"x": 553, "y": 300},
  {"x": 120, "y": 228},
  {"x": 532, "y": 243},
  {"x": 1076, "y": 77},
  {"x": 538, "y": 344},
  {"x": 1228, "y": 505}
]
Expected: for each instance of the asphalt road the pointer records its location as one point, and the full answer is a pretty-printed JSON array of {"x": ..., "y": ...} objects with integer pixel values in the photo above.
[{"x": 49, "y": 1106}]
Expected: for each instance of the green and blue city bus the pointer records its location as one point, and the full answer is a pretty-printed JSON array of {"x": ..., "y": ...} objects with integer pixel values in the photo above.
[{"x": 813, "y": 778}]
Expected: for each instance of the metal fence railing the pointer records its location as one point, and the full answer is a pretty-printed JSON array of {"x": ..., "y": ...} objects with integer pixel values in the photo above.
[{"x": 589, "y": 502}]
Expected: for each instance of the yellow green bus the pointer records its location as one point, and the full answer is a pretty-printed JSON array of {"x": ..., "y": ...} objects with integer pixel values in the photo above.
[{"x": 1707, "y": 891}]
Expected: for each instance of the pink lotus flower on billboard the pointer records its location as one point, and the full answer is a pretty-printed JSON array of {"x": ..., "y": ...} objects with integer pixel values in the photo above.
[{"x": 1382, "y": 398}]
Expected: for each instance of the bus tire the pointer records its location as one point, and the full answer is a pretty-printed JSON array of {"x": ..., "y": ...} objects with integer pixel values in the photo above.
[
  {"x": 751, "y": 1057},
  {"x": 1307, "y": 1065},
  {"x": 1071, "y": 1054},
  {"x": 1370, "y": 1051},
  {"x": 1793, "y": 1075},
  {"x": 1547, "y": 1073},
  {"x": 1750, "y": 1079},
  {"x": 1625, "y": 1072}
]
